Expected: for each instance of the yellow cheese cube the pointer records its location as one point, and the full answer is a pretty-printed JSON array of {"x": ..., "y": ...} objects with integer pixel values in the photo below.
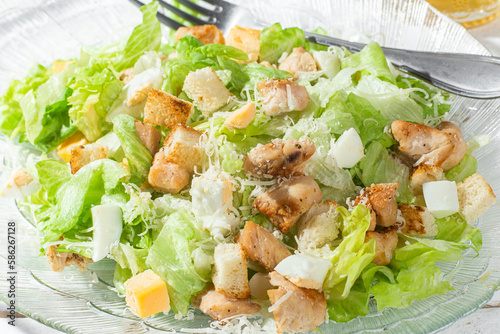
[
  {"x": 240, "y": 118},
  {"x": 247, "y": 40},
  {"x": 64, "y": 149},
  {"x": 147, "y": 294},
  {"x": 59, "y": 66}
]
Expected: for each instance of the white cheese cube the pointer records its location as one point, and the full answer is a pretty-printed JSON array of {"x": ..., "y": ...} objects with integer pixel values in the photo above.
[
  {"x": 328, "y": 62},
  {"x": 441, "y": 198},
  {"x": 107, "y": 221},
  {"x": 304, "y": 270},
  {"x": 348, "y": 149}
]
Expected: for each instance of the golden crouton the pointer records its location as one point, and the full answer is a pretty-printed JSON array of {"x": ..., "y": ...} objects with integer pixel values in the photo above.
[
  {"x": 418, "y": 220},
  {"x": 422, "y": 174},
  {"x": 206, "y": 90},
  {"x": 167, "y": 177},
  {"x": 84, "y": 154},
  {"x": 475, "y": 197},
  {"x": 247, "y": 40},
  {"x": 64, "y": 149},
  {"x": 386, "y": 241},
  {"x": 207, "y": 33},
  {"x": 164, "y": 109},
  {"x": 181, "y": 147},
  {"x": 149, "y": 136},
  {"x": 230, "y": 275}
]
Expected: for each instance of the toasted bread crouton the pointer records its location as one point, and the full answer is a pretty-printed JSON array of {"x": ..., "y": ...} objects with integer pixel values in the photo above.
[
  {"x": 245, "y": 39},
  {"x": 475, "y": 197},
  {"x": 285, "y": 202},
  {"x": 84, "y": 154},
  {"x": 206, "y": 90},
  {"x": 295, "y": 309},
  {"x": 64, "y": 149},
  {"x": 60, "y": 260},
  {"x": 126, "y": 75},
  {"x": 181, "y": 147},
  {"x": 418, "y": 220},
  {"x": 167, "y": 177},
  {"x": 207, "y": 33},
  {"x": 240, "y": 118},
  {"x": 230, "y": 275},
  {"x": 422, "y": 174},
  {"x": 149, "y": 136},
  {"x": 383, "y": 200},
  {"x": 164, "y": 109},
  {"x": 298, "y": 61},
  {"x": 261, "y": 246},
  {"x": 219, "y": 306},
  {"x": 318, "y": 226},
  {"x": 282, "y": 96},
  {"x": 386, "y": 241}
]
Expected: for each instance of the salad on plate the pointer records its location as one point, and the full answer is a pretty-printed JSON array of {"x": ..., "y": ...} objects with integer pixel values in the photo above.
[{"x": 252, "y": 174}]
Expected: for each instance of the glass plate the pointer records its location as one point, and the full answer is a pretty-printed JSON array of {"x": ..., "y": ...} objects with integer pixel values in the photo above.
[{"x": 84, "y": 302}]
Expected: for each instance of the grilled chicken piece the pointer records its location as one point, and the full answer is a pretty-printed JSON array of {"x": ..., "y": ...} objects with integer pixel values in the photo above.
[
  {"x": 364, "y": 200},
  {"x": 380, "y": 199},
  {"x": 148, "y": 135},
  {"x": 418, "y": 220},
  {"x": 298, "y": 61},
  {"x": 279, "y": 158},
  {"x": 444, "y": 146},
  {"x": 386, "y": 241},
  {"x": 219, "y": 307},
  {"x": 60, "y": 260},
  {"x": 286, "y": 201},
  {"x": 282, "y": 96},
  {"x": 261, "y": 246},
  {"x": 302, "y": 311}
]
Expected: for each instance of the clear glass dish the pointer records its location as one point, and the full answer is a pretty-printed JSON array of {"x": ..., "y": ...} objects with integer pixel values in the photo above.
[{"x": 84, "y": 302}]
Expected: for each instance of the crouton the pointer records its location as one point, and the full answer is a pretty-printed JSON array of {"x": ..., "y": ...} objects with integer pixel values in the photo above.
[
  {"x": 475, "y": 197},
  {"x": 206, "y": 90},
  {"x": 295, "y": 309},
  {"x": 60, "y": 260},
  {"x": 139, "y": 95},
  {"x": 64, "y": 149},
  {"x": 298, "y": 61},
  {"x": 282, "y": 96},
  {"x": 164, "y": 109},
  {"x": 230, "y": 276},
  {"x": 148, "y": 135},
  {"x": 207, "y": 33},
  {"x": 167, "y": 177},
  {"x": 219, "y": 306},
  {"x": 386, "y": 241},
  {"x": 84, "y": 154},
  {"x": 240, "y": 118},
  {"x": 181, "y": 147},
  {"x": 422, "y": 174},
  {"x": 60, "y": 65},
  {"x": 418, "y": 220},
  {"x": 126, "y": 75},
  {"x": 318, "y": 226},
  {"x": 261, "y": 246},
  {"x": 245, "y": 39}
]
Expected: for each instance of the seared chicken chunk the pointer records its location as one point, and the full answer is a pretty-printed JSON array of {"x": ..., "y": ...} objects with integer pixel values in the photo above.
[
  {"x": 363, "y": 199},
  {"x": 285, "y": 202},
  {"x": 282, "y": 96},
  {"x": 318, "y": 226},
  {"x": 380, "y": 199},
  {"x": 261, "y": 246},
  {"x": 220, "y": 307},
  {"x": 60, "y": 260},
  {"x": 418, "y": 220},
  {"x": 302, "y": 311},
  {"x": 148, "y": 135},
  {"x": 207, "y": 33},
  {"x": 386, "y": 241},
  {"x": 444, "y": 146},
  {"x": 298, "y": 61},
  {"x": 279, "y": 158}
]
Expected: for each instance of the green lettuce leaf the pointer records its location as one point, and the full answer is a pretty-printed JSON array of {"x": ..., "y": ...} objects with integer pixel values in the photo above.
[
  {"x": 463, "y": 170},
  {"x": 275, "y": 40},
  {"x": 138, "y": 156},
  {"x": 52, "y": 174},
  {"x": 372, "y": 61},
  {"x": 455, "y": 229}
]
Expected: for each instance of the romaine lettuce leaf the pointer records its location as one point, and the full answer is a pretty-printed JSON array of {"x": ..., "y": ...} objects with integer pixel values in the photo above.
[
  {"x": 52, "y": 174},
  {"x": 275, "y": 40},
  {"x": 464, "y": 169},
  {"x": 372, "y": 61},
  {"x": 455, "y": 229}
]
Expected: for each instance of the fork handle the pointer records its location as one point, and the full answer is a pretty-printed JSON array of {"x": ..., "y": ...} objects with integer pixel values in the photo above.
[{"x": 467, "y": 75}]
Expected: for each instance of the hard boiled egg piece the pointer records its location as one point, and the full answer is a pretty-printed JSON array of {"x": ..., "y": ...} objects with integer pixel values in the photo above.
[
  {"x": 304, "y": 268},
  {"x": 348, "y": 149},
  {"x": 107, "y": 221},
  {"x": 328, "y": 62},
  {"x": 441, "y": 198}
]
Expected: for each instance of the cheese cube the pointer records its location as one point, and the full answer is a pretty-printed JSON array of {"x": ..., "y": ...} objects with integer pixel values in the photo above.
[
  {"x": 348, "y": 149},
  {"x": 147, "y": 294},
  {"x": 441, "y": 198},
  {"x": 240, "y": 118}
]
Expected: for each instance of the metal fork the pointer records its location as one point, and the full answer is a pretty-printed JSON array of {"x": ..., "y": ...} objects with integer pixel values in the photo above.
[{"x": 467, "y": 75}]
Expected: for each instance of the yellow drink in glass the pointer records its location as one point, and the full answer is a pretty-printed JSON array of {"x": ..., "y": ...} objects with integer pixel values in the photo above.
[{"x": 469, "y": 13}]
